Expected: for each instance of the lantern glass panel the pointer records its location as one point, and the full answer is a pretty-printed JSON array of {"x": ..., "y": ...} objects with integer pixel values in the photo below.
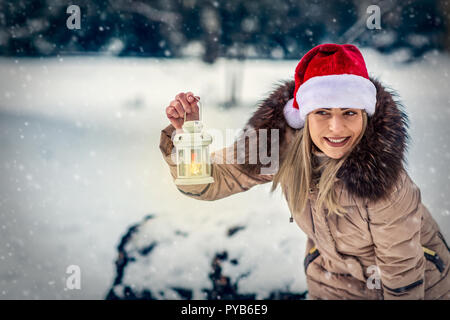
[
  {"x": 196, "y": 162},
  {"x": 181, "y": 163},
  {"x": 206, "y": 161}
]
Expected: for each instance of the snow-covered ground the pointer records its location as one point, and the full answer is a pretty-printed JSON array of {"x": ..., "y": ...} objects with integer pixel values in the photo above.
[{"x": 80, "y": 162}]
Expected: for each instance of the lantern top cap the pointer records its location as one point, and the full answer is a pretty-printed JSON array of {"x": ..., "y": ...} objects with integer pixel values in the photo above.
[{"x": 193, "y": 126}]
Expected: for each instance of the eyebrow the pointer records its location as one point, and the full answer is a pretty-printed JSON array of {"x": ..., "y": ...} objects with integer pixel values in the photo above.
[{"x": 339, "y": 108}]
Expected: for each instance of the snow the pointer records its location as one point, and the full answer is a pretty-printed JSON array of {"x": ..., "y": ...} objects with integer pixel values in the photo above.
[{"x": 80, "y": 162}]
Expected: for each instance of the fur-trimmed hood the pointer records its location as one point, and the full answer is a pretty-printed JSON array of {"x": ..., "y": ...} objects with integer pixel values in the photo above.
[{"x": 374, "y": 165}]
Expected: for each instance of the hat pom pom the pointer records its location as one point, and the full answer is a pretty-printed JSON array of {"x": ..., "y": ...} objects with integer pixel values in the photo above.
[{"x": 292, "y": 115}]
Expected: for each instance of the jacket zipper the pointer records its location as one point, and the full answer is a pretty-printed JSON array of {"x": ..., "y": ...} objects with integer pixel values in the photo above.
[{"x": 440, "y": 235}]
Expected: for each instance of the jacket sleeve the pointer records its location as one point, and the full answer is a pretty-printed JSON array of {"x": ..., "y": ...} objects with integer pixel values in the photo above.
[
  {"x": 395, "y": 225},
  {"x": 229, "y": 178}
]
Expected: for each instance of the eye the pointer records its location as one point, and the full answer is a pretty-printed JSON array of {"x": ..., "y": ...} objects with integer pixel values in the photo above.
[{"x": 324, "y": 113}]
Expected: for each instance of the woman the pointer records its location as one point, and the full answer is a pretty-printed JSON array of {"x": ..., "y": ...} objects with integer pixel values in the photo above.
[{"x": 341, "y": 147}]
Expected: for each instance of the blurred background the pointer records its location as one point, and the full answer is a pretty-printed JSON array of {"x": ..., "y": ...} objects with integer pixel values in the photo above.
[
  {"x": 82, "y": 103},
  {"x": 214, "y": 29}
]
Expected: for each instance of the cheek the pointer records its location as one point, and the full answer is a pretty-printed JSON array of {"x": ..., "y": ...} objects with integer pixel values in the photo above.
[
  {"x": 357, "y": 127},
  {"x": 315, "y": 131}
]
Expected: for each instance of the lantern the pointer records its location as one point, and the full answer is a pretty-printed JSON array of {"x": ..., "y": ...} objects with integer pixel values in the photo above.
[{"x": 192, "y": 149}]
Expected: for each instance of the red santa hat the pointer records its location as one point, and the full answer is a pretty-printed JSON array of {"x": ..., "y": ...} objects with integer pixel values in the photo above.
[{"x": 330, "y": 76}]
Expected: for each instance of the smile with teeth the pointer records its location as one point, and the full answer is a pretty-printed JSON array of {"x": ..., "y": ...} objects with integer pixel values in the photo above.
[{"x": 336, "y": 140}]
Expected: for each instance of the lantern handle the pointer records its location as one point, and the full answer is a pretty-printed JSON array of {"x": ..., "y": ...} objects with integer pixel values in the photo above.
[{"x": 200, "y": 107}]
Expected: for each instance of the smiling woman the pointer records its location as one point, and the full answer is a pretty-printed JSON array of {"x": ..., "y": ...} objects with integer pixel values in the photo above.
[
  {"x": 342, "y": 149},
  {"x": 335, "y": 130},
  {"x": 314, "y": 161}
]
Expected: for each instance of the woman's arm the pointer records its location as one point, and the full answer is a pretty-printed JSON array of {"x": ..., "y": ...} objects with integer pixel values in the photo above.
[
  {"x": 228, "y": 178},
  {"x": 395, "y": 225}
]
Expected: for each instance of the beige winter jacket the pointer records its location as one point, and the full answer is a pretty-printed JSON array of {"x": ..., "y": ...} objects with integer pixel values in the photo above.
[{"x": 387, "y": 248}]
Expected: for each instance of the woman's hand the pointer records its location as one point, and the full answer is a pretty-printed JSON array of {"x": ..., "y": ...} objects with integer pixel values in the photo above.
[{"x": 184, "y": 102}]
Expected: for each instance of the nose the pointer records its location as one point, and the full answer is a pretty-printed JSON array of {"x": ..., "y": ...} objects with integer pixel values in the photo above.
[{"x": 336, "y": 124}]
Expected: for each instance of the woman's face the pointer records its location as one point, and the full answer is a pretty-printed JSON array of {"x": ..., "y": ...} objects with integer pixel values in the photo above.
[{"x": 335, "y": 123}]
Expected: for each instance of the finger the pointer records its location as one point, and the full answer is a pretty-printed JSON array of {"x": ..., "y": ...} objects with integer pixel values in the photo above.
[
  {"x": 192, "y": 100},
  {"x": 186, "y": 105},
  {"x": 171, "y": 112},
  {"x": 190, "y": 97},
  {"x": 175, "y": 120},
  {"x": 179, "y": 108},
  {"x": 177, "y": 123}
]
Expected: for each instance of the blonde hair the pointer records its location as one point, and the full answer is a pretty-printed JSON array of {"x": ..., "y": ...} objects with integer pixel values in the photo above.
[{"x": 299, "y": 171}]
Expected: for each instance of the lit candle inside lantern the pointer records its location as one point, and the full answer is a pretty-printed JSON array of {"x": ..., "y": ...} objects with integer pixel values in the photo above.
[{"x": 196, "y": 168}]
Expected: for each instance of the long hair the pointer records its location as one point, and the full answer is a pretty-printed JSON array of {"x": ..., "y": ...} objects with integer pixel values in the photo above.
[{"x": 300, "y": 170}]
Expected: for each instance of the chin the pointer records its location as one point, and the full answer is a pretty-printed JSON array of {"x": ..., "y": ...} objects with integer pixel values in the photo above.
[{"x": 335, "y": 155}]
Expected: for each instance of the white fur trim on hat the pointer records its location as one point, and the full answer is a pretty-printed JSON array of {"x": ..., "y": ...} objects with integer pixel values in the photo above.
[
  {"x": 292, "y": 115},
  {"x": 336, "y": 91}
]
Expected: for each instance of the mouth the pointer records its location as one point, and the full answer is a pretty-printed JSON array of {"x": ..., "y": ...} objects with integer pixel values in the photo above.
[{"x": 337, "y": 142}]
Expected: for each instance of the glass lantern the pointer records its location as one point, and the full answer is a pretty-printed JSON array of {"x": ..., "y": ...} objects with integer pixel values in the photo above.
[{"x": 192, "y": 149}]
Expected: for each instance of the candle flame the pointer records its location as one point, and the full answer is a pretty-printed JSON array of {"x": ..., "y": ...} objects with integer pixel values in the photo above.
[{"x": 196, "y": 168}]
